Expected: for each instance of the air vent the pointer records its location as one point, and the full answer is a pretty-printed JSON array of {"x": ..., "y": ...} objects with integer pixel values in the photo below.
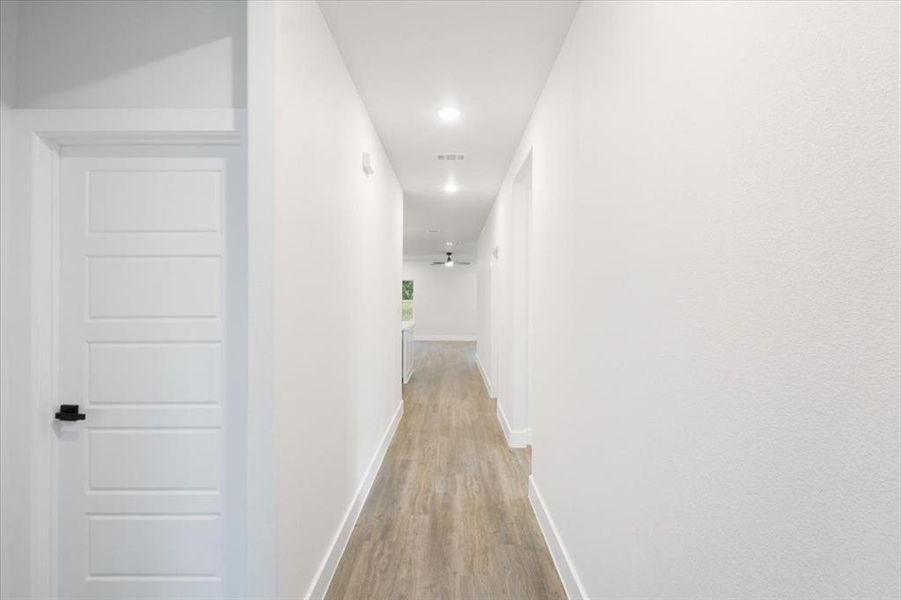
[{"x": 452, "y": 156}]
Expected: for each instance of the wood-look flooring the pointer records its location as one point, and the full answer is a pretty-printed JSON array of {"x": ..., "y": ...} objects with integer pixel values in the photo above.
[{"x": 448, "y": 515}]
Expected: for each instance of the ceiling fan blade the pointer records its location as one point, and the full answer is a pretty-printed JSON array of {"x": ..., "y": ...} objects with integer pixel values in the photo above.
[
  {"x": 440, "y": 262},
  {"x": 457, "y": 262}
]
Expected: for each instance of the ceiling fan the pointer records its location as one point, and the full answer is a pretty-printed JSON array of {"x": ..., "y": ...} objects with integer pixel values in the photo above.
[{"x": 449, "y": 262}]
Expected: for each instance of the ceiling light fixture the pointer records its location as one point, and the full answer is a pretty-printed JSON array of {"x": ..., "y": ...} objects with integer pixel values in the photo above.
[
  {"x": 449, "y": 113},
  {"x": 449, "y": 263},
  {"x": 451, "y": 188}
]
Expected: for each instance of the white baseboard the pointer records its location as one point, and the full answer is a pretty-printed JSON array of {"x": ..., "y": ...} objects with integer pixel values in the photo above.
[
  {"x": 329, "y": 564},
  {"x": 571, "y": 582},
  {"x": 516, "y": 438},
  {"x": 444, "y": 338},
  {"x": 485, "y": 377}
]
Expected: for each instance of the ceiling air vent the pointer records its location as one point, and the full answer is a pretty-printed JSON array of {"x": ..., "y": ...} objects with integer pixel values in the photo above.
[{"x": 451, "y": 156}]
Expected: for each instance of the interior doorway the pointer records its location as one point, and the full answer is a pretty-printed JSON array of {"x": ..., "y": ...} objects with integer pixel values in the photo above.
[
  {"x": 494, "y": 275},
  {"x": 520, "y": 301}
]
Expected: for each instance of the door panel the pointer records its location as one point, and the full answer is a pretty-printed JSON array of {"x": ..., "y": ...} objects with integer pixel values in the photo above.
[
  {"x": 174, "y": 544},
  {"x": 157, "y": 201},
  {"x": 139, "y": 287},
  {"x": 155, "y": 373},
  {"x": 142, "y": 324},
  {"x": 153, "y": 459}
]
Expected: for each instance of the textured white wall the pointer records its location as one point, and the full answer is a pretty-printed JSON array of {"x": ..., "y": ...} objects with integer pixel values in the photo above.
[
  {"x": 132, "y": 54},
  {"x": 444, "y": 299},
  {"x": 715, "y": 370},
  {"x": 13, "y": 565},
  {"x": 336, "y": 310}
]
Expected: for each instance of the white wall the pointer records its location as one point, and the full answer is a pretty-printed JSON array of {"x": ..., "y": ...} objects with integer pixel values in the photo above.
[
  {"x": 444, "y": 300},
  {"x": 11, "y": 562},
  {"x": 132, "y": 54},
  {"x": 715, "y": 359},
  {"x": 335, "y": 311}
]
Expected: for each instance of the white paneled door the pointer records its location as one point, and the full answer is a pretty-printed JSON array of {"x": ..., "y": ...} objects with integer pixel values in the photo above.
[{"x": 142, "y": 353}]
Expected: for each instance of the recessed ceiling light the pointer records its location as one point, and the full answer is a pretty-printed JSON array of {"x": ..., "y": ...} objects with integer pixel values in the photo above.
[
  {"x": 451, "y": 188},
  {"x": 448, "y": 244},
  {"x": 432, "y": 231},
  {"x": 449, "y": 113}
]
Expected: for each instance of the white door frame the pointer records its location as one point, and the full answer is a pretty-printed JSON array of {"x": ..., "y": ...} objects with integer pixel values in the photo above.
[
  {"x": 513, "y": 354},
  {"x": 521, "y": 299},
  {"x": 494, "y": 287},
  {"x": 38, "y": 138}
]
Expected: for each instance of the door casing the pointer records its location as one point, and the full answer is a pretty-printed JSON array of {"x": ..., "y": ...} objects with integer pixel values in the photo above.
[{"x": 39, "y": 136}]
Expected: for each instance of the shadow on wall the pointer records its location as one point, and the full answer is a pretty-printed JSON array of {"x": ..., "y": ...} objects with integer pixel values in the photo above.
[{"x": 131, "y": 54}]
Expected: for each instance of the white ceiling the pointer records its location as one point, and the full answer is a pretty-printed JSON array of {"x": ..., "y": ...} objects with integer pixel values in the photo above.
[{"x": 490, "y": 59}]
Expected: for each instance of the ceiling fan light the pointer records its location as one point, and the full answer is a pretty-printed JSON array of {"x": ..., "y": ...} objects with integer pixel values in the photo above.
[
  {"x": 449, "y": 113},
  {"x": 449, "y": 263}
]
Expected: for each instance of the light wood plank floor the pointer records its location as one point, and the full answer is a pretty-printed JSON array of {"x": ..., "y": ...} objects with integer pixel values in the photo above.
[{"x": 449, "y": 514}]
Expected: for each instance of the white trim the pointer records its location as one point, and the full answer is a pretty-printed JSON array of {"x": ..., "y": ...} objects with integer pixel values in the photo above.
[
  {"x": 261, "y": 522},
  {"x": 329, "y": 564},
  {"x": 38, "y": 137},
  {"x": 174, "y": 123},
  {"x": 485, "y": 378},
  {"x": 516, "y": 438},
  {"x": 565, "y": 568},
  {"x": 444, "y": 338},
  {"x": 262, "y": 464}
]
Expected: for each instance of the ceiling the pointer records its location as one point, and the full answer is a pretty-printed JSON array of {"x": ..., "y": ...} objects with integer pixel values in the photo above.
[{"x": 489, "y": 59}]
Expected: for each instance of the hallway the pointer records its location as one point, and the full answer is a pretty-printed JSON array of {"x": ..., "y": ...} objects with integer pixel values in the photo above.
[
  {"x": 450, "y": 299},
  {"x": 449, "y": 514}
]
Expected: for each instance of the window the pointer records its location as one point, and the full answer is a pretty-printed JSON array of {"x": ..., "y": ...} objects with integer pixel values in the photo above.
[{"x": 406, "y": 300}]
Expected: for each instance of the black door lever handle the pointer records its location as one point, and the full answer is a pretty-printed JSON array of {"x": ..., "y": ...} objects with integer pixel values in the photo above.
[{"x": 69, "y": 412}]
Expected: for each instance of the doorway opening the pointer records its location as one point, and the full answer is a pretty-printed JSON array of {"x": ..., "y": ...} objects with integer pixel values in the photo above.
[
  {"x": 520, "y": 301},
  {"x": 494, "y": 285}
]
